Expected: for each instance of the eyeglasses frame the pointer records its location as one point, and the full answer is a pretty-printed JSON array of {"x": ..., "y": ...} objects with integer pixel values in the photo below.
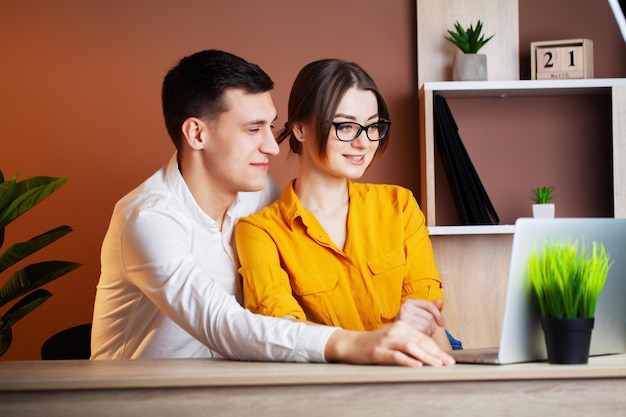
[{"x": 361, "y": 129}]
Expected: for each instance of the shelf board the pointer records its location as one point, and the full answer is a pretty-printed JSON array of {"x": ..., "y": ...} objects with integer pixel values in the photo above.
[
  {"x": 472, "y": 230},
  {"x": 523, "y": 87}
]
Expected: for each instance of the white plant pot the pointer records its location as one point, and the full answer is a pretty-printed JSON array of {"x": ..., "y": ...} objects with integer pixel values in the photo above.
[
  {"x": 543, "y": 211},
  {"x": 469, "y": 67}
]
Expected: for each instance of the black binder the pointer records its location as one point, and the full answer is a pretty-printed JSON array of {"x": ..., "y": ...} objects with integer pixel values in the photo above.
[{"x": 471, "y": 199}]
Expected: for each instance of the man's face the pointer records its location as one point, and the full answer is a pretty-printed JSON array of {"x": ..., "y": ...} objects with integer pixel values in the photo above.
[{"x": 241, "y": 141}]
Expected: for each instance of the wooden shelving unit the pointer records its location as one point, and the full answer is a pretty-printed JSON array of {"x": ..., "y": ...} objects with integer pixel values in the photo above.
[
  {"x": 474, "y": 260},
  {"x": 616, "y": 88},
  {"x": 471, "y": 230}
]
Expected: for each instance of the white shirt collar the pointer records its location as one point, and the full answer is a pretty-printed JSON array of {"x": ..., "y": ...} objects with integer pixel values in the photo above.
[{"x": 177, "y": 185}]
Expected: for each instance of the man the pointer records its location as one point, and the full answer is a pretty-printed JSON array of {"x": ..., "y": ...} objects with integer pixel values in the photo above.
[{"x": 169, "y": 285}]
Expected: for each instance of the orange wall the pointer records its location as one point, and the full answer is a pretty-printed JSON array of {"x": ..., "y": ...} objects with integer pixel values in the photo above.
[{"x": 80, "y": 87}]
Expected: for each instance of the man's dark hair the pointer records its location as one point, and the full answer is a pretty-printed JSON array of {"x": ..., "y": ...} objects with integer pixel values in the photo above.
[{"x": 195, "y": 87}]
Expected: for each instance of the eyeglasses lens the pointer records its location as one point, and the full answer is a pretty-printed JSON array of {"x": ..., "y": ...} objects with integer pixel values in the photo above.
[{"x": 349, "y": 131}]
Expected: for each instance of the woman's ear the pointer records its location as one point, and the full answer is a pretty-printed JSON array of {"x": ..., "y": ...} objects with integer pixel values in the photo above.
[
  {"x": 194, "y": 133},
  {"x": 298, "y": 131}
]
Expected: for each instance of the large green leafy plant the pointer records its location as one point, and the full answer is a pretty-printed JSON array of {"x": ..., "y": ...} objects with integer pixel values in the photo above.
[
  {"x": 567, "y": 281},
  {"x": 24, "y": 284}
]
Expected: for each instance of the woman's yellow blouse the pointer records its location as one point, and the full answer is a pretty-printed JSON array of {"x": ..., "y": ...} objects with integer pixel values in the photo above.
[{"x": 290, "y": 266}]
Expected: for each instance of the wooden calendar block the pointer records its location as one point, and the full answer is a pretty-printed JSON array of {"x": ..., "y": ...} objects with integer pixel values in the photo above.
[
  {"x": 562, "y": 59},
  {"x": 548, "y": 61}
]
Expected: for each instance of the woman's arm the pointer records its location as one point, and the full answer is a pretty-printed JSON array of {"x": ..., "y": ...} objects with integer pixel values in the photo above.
[
  {"x": 423, "y": 296},
  {"x": 266, "y": 285}
]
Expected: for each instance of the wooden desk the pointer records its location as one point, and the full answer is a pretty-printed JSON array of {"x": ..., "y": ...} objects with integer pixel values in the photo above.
[{"x": 186, "y": 387}]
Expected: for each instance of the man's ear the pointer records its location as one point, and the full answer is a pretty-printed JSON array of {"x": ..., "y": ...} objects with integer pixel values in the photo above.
[{"x": 194, "y": 133}]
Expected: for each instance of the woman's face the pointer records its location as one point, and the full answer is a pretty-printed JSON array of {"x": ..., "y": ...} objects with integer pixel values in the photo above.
[{"x": 349, "y": 159}]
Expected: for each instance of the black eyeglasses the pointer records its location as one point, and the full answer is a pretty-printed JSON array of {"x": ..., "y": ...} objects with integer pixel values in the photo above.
[{"x": 349, "y": 131}]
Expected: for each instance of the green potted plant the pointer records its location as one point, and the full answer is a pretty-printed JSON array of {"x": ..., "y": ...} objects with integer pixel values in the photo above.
[
  {"x": 567, "y": 282},
  {"x": 542, "y": 202},
  {"x": 24, "y": 284},
  {"x": 470, "y": 65}
]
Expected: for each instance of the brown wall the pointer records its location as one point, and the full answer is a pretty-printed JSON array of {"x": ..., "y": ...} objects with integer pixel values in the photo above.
[{"x": 80, "y": 84}]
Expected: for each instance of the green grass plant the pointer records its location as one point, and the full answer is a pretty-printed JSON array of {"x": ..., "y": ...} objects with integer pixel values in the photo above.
[
  {"x": 542, "y": 195},
  {"x": 566, "y": 280}
]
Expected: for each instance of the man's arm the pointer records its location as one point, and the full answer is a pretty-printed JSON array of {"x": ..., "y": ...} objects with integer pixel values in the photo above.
[
  {"x": 167, "y": 258},
  {"x": 397, "y": 344}
]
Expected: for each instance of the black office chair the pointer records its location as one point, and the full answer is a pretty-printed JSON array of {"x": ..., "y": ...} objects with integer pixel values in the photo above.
[{"x": 72, "y": 343}]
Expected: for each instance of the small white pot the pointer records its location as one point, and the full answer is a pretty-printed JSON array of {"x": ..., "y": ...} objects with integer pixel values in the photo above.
[{"x": 543, "y": 211}]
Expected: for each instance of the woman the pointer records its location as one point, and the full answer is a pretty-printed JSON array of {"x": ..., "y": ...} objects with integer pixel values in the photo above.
[{"x": 330, "y": 250}]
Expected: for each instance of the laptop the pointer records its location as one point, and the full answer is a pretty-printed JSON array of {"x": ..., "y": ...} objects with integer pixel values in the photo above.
[{"x": 521, "y": 337}]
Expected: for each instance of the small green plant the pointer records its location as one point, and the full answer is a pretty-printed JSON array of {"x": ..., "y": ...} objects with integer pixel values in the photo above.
[
  {"x": 542, "y": 195},
  {"x": 15, "y": 199},
  {"x": 468, "y": 40},
  {"x": 567, "y": 282}
]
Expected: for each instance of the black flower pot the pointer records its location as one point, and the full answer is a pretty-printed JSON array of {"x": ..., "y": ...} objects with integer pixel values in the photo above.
[{"x": 567, "y": 340}]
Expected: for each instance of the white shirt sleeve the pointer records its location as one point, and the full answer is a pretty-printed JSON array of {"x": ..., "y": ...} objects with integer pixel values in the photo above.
[{"x": 160, "y": 258}]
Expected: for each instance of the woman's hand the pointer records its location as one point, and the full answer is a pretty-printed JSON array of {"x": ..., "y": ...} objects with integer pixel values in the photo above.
[{"x": 422, "y": 315}]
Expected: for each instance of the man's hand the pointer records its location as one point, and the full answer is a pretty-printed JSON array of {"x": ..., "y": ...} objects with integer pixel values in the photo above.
[
  {"x": 421, "y": 315},
  {"x": 396, "y": 344}
]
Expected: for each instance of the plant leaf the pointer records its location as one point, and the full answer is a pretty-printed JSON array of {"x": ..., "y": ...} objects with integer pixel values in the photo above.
[
  {"x": 28, "y": 193},
  {"x": 481, "y": 42},
  {"x": 7, "y": 191},
  {"x": 479, "y": 26},
  {"x": 5, "y": 340},
  {"x": 472, "y": 34},
  {"x": 23, "y": 307},
  {"x": 460, "y": 30},
  {"x": 19, "y": 251},
  {"x": 32, "y": 277}
]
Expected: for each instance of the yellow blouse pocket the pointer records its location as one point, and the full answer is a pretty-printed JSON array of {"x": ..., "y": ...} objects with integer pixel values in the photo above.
[
  {"x": 308, "y": 284},
  {"x": 388, "y": 276},
  {"x": 319, "y": 297}
]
